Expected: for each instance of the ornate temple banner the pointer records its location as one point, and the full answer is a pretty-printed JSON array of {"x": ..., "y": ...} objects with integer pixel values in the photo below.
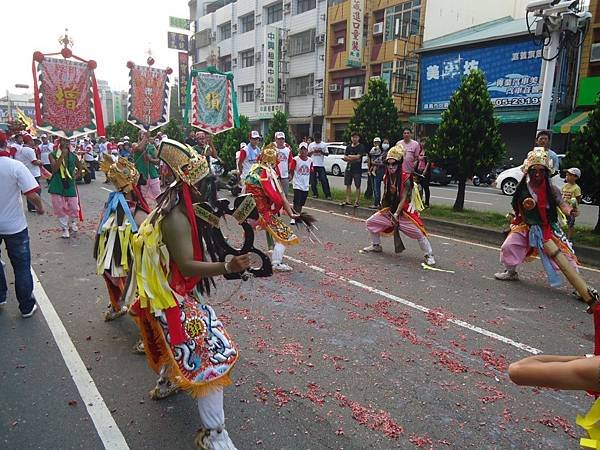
[
  {"x": 149, "y": 96},
  {"x": 66, "y": 99},
  {"x": 212, "y": 101}
]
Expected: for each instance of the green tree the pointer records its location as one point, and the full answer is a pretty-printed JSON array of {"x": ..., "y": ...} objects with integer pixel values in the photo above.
[
  {"x": 120, "y": 129},
  {"x": 174, "y": 130},
  {"x": 279, "y": 123},
  {"x": 468, "y": 138},
  {"x": 228, "y": 143},
  {"x": 584, "y": 152},
  {"x": 375, "y": 115}
]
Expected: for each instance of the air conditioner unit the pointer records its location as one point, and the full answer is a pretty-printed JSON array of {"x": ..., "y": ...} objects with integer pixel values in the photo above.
[
  {"x": 234, "y": 28},
  {"x": 334, "y": 88},
  {"x": 341, "y": 40},
  {"x": 257, "y": 91},
  {"x": 377, "y": 28},
  {"x": 257, "y": 56},
  {"x": 213, "y": 36},
  {"x": 375, "y": 77},
  {"x": 595, "y": 55},
  {"x": 234, "y": 63},
  {"x": 320, "y": 39},
  {"x": 356, "y": 92}
]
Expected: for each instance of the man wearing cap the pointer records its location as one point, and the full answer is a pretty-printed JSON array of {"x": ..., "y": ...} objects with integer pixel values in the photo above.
[
  {"x": 88, "y": 157},
  {"x": 14, "y": 180},
  {"x": 248, "y": 156},
  {"x": 26, "y": 154},
  {"x": 284, "y": 159}
]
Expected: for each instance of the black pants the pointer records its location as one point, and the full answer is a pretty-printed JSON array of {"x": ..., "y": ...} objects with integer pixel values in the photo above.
[
  {"x": 31, "y": 206},
  {"x": 299, "y": 199},
  {"x": 424, "y": 182},
  {"x": 319, "y": 174}
]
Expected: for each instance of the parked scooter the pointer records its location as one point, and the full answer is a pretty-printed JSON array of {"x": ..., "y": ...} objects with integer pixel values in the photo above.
[{"x": 486, "y": 178}]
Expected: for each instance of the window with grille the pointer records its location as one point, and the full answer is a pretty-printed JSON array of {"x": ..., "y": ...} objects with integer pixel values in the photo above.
[
  {"x": 305, "y": 5},
  {"x": 225, "y": 63},
  {"x": 224, "y": 31},
  {"x": 247, "y": 93},
  {"x": 301, "y": 86},
  {"x": 275, "y": 13},
  {"x": 247, "y": 23},
  {"x": 247, "y": 58},
  {"x": 403, "y": 80},
  {"x": 301, "y": 43},
  {"x": 403, "y": 20}
]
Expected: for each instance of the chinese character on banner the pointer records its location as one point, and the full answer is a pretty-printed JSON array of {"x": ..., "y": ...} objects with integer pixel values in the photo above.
[
  {"x": 67, "y": 97},
  {"x": 451, "y": 68},
  {"x": 433, "y": 72},
  {"x": 212, "y": 106},
  {"x": 183, "y": 78},
  {"x": 271, "y": 66},
  {"x": 470, "y": 66},
  {"x": 148, "y": 99},
  {"x": 355, "y": 34}
]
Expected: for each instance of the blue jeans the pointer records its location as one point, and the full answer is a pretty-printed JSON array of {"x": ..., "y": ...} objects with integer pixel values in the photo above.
[
  {"x": 17, "y": 247},
  {"x": 377, "y": 187}
]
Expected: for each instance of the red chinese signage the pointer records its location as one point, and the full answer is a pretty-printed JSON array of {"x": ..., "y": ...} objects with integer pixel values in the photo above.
[{"x": 148, "y": 100}]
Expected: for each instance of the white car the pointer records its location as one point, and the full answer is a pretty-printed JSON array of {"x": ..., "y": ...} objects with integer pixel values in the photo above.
[
  {"x": 334, "y": 164},
  {"x": 508, "y": 180}
]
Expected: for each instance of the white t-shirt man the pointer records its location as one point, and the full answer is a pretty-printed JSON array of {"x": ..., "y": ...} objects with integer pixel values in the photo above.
[
  {"x": 27, "y": 156},
  {"x": 15, "y": 179},
  {"x": 301, "y": 169},
  {"x": 45, "y": 150},
  {"x": 284, "y": 158},
  {"x": 318, "y": 158},
  {"x": 89, "y": 152}
]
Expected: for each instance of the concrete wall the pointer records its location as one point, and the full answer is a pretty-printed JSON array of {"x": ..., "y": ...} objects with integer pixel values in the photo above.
[{"x": 448, "y": 16}]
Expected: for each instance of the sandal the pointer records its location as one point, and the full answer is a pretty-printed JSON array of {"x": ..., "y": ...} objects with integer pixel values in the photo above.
[
  {"x": 356, "y": 205},
  {"x": 344, "y": 204}
]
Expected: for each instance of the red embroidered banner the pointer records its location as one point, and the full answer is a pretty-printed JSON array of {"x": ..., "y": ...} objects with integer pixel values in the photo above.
[
  {"x": 65, "y": 98},
  {"x": 148, "y": 100}
]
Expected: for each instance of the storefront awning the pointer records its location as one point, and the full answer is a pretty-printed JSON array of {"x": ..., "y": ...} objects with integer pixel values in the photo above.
[
  {"x": 572, "y": 124},
  {"x": 503, "y": 116}
]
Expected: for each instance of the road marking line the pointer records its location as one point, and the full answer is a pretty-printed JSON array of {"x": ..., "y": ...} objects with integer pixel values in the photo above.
[
  {"x": 472, "y": 190},
  {"x": 461, "y": 241},
  {"x": 418, "y": 307},
  {"x": 466, "y": 201},
  {"x": 108, "y": 190},
  {"x": 105, "y": 424}
]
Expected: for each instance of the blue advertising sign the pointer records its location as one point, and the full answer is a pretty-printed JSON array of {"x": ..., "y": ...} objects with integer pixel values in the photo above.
[{"x": 512, "y": 71}]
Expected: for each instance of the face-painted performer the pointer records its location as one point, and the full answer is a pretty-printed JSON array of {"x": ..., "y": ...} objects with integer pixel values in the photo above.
[
  {"x": 262, "y": 182},
  {"x": 400, "y": 204},
  {"x": 123, "y": 213},
  {"x": 174, "y": 252},
  {"x": 536, "y": 204}
]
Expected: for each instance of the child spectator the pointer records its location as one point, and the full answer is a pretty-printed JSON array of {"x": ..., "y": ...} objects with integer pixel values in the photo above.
[
  {"x": 571, "y": 193},
  {"x": 300, "y": 170}
]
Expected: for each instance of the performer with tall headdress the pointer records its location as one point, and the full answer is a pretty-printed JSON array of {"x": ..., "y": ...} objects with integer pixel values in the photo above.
[
  {"x": 536, "y": 204},
  {"x": 123, "y": 213},
  {"x": 175, "y": 255},
  {"x": 263, "y": 183},
  {"x": 400, "y": 205}
]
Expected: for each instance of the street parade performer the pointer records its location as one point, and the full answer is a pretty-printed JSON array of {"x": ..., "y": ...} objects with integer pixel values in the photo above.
[
  {"x": 263, "y": 183},
  {"x": 62, "y": 189},
  {"x": 400, "y": 205},
  {"x": 174, "y": 254},
  {"x": 123, "y": 213},
  {"x": 535, "y": 229}
]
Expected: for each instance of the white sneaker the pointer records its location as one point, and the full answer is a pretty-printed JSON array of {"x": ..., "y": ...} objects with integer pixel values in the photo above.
[
  {"x": 429, "y": 260},
  {"x": 373, "y": 248},
  {"x": 507, "y": 275},
  {"x": 293, "y": 222},
  {"x": 74, "y": 227},
  {"x": 280, "y": 267},
  {"x": 65, "y": 233},
  {"x": 214, "y": 440},
  {"x": 30, "y": 313}
]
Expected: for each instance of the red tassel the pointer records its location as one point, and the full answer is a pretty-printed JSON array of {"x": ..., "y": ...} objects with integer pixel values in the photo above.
[
  {"x": 36, "y": 95},
  {"x": 98, "y": 108},
  {"x": 174, "y": 324}
]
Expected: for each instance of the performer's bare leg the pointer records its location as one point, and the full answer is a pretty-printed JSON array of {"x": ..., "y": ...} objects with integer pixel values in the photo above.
[{"x": 164, "y": 388}]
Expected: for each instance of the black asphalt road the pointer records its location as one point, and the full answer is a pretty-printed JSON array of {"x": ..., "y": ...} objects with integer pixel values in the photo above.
[{"x": 349, "y": 351}]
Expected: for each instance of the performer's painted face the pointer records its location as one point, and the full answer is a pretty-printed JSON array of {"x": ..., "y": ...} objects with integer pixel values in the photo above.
[
  {"x": 392, "y": 165},
  {"x": 537, "y": 173}
]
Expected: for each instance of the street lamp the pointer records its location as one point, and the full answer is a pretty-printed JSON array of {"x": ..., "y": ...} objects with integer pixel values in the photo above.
[{"x": 18, "y": 86}]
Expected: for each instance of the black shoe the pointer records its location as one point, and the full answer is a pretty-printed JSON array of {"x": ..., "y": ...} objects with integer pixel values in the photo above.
[{"x": 30, "y": 313}]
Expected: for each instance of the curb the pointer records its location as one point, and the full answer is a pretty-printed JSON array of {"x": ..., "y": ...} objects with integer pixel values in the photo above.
[{"x": 587, "y": 255}]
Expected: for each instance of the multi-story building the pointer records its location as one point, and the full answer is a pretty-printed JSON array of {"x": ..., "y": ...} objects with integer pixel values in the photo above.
[
  {"x": 391, "y": 31},
  {"x": 11, "y": 101},
  {"x": 114, "y": 103},
  {"x": 276, "y": 51}
]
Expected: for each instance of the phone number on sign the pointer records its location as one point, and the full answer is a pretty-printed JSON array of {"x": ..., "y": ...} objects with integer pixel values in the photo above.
[{"x": 516, "y": 101}]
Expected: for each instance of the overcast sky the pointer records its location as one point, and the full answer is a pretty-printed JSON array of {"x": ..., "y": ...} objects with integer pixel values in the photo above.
[{"x": 111, "y": 32}]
